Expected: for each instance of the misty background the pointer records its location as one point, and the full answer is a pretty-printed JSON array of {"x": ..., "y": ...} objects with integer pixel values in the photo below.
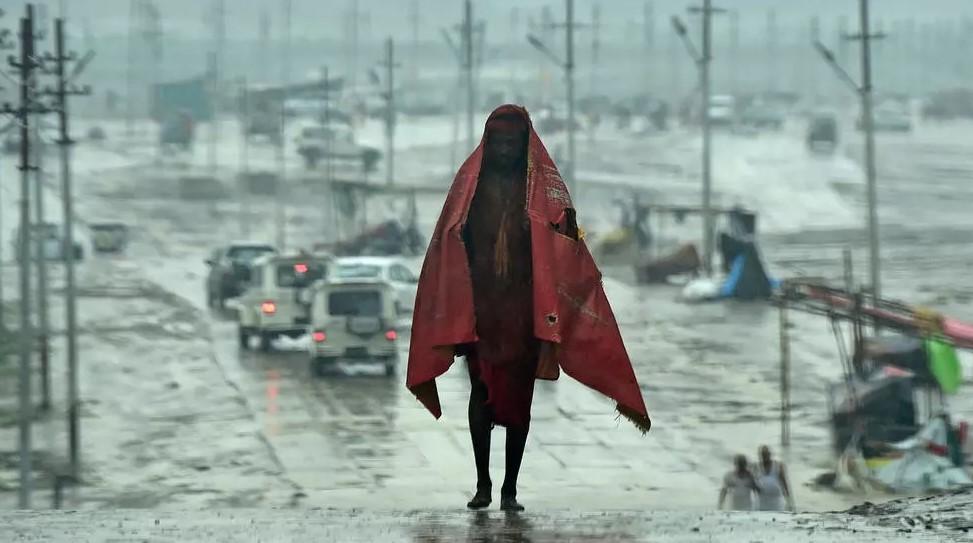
[{"x": 759, "y": 45}]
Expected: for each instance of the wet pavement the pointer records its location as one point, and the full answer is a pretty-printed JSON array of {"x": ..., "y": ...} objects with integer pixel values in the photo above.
[
  {"x": 179, "y": 416},
  {"x": 432, "y": 526}
]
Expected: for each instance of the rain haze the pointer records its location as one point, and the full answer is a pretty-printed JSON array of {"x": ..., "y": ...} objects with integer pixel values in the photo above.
[{"x": 242, "y": 268}]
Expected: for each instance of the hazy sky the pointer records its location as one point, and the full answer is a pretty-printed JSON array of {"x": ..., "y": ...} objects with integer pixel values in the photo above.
[{"x": 327, "y": 18}]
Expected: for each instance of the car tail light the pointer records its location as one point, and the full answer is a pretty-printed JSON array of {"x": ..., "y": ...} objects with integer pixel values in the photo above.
[
  {"x": 268, "y": 307},
  {"x": 319, "y": 336},
  {"x": 391, "y": 335}
]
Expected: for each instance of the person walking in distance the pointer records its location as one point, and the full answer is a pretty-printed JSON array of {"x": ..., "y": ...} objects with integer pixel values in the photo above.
[
  {"x": 772, "y": 482},
  {"x": 740, "y": 485},
  {"x": 508, "y": 284}
]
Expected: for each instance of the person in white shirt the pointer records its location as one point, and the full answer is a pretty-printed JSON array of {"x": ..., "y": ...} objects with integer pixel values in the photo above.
[
  {"x": 772, "y": 485},
  {"x": 740, "y": 485}
]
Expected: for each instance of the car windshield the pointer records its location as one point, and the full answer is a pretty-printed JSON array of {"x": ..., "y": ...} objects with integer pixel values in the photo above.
[
  {"x": 355, "y": 303},
  {"x": 357, "y": 271},
  {"x": 247, "y": 254},
  {"x": 299, "y": 274}
]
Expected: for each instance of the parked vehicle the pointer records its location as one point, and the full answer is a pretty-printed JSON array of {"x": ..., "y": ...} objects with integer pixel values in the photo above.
[
  {"x": 353, "y": 321},
  {"x": 822, "y": 133},
  {"x": 177, "y": 132},
  {"x": 762, "y": 115},
  {"x": 275, "y": 301},
  {"x": 390, "y": 270},
  {"x": 11, "y": 143},
  {"x": 890, "y": 117},
  {"x": 318, "y": 142},
  {"x": 722, "y": 110},
  {"x": 109, "y": 237},
  {"x": 948, "y": 105},
  {"x": 53, "y": 247},
  {"x": 229, "y": 270}
]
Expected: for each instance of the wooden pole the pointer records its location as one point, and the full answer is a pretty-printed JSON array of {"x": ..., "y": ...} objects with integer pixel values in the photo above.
[
  {"x": 848, "y": 272},
  {"x": 785, "y": 384}
]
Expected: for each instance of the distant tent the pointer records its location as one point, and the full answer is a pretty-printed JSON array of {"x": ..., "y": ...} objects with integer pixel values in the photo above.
[
  {"x": 747, "y": 279},
  {"x": 944, "y": 365}
]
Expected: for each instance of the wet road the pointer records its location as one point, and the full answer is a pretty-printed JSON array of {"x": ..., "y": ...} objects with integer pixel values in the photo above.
[
  {"x": 432, "y": 526},
  {"x": 709, "y": 372}
]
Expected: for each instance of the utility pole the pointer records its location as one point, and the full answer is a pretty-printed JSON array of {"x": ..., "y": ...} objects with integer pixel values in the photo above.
[
  {"x": 216, "y": 82},
  {"x": 454, "y": 95},
  {"x": 648, "y": 21},
  {"x": 133, "y": 10},
  {"x": 707, "y": 158},
  {"x": 389, "y": 65},
  {"x": 4, "y": 45},
  {"x": 331, "y": 232},
  {"x": 648, "y": 36},
  {"x": 244, "y": 183},
  {"x": 675, "y": 69},
  {"x": 814, "y": 27},
  {"x": 355, "y": 17},
  {"x": 280, "y": 207},
  {"x": 25, "y": 66},
  {"x": 39, "y": 240},
  {"x": 65, "y": 88},
  {"x": 772, "y": 49},
  {"x": 569, "y": 76},
  {"x": 785, "y": 377},
  {"x": 568, "y": 66},
  {"x": 864, "y": 92},
  {"x": 595, "y": 47},
  {"x": 263, "y": 44},
  {"x": 414, "y": 65},
  {"x": 468, "y": 66},
  {"x": 703, "y": 64},
  {"x": 465, "y": 53},
  {"x": 152, "y": 34},
  {"x": 734, "y": 51},
  {"x": 869, "y": 129}
]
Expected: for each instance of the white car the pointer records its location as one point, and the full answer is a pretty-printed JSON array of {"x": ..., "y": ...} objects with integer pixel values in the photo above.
[
  {"x": 722, "y": 110},
  {"x": 317, "y": 142},
  {"x": 390, "y": 270},
  {"x": 274, "y": 303},
  {"x": 353, "y": 321}
]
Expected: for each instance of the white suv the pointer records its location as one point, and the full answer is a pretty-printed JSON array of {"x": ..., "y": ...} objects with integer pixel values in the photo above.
[
  {"x": 353, "y": 321},
  {"x": 274, "y": 302},
  {"x": 378, "y": 268}
]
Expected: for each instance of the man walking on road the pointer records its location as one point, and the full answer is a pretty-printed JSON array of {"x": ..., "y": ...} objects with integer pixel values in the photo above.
[
  {"x": 772, "y": 481},
  {"x": 508, "y": 283},
  {"x": 740, "y": 485}
]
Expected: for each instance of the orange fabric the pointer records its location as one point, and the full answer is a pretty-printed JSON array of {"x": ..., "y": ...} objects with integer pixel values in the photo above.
[{"x": 570, "y": 306}]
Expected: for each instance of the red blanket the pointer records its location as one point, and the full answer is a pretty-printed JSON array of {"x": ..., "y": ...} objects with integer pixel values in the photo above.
[{"x": 571, "y": 313}]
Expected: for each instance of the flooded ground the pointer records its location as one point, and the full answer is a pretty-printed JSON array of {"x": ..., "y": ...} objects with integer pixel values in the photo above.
[
  {"x": 177, "y": 416},
  {"x": 432, "y": 526}
]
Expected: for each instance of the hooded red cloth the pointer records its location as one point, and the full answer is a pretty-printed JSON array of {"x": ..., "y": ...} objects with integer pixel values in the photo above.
[{"x": 572, "y": 317}]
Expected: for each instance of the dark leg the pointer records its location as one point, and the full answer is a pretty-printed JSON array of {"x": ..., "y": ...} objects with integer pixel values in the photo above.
[
  {"x": 516, "y": 441},
  {"x": 480, "y": 426}
]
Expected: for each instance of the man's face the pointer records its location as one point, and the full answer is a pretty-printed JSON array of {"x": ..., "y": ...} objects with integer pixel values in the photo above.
[{"x": 506, "y": 148}]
